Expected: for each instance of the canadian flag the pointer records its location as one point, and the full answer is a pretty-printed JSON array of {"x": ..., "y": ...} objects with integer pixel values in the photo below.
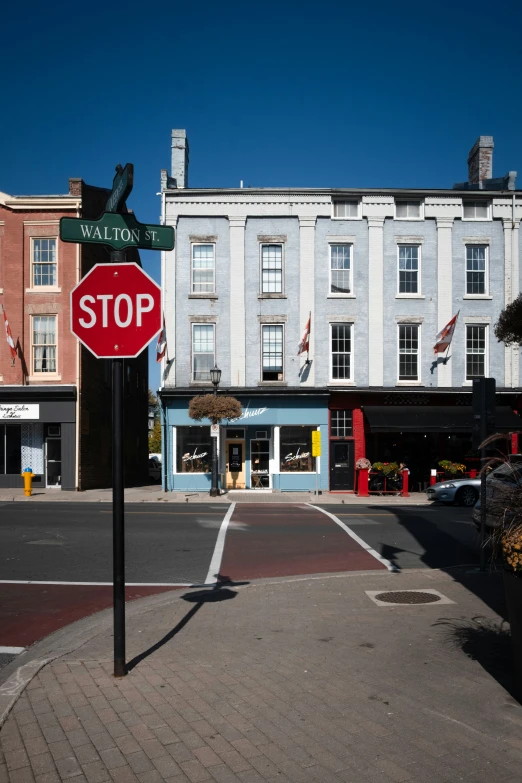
[
  {"x": 304, "y": 345},
  {"x": 9, "y": 338},
  {"x": 444, "y": 336},
  {"x": 161, "y": 347}
]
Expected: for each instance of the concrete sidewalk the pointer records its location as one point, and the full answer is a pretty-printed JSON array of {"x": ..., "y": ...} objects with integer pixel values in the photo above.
[
  {"x": 303, "y": 680},
  {"x": 155, "y": 494}
]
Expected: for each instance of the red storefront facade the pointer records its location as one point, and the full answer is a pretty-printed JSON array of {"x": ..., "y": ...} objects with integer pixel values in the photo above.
[{"x": 415, "y": 428}]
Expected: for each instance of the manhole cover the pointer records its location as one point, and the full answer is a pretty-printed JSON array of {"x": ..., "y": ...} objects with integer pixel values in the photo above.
[{"x": 407, "y": 597}]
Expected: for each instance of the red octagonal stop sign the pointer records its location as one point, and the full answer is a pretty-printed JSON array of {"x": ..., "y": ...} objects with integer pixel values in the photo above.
[{"x": 116, "y": 310}]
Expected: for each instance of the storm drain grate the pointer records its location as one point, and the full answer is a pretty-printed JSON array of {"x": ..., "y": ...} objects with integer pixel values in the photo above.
[{"x": 407, "y": 597}]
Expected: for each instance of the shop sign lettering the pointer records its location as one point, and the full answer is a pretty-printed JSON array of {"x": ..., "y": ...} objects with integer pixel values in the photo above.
[
  {"x": 15, "y": 411},
  {"x": 189, "y": 457},
  {"x": 298, "y": 455},
  {"x": 249, "y": 414}
]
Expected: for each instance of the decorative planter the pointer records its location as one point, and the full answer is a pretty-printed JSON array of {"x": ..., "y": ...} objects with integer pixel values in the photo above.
[
  {"x": 362, "y": 482},
  {"x": 513, "y": 590}
]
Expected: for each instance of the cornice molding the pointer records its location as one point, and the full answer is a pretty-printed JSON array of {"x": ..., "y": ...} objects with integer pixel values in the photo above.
[
  {"x": 246, "y": 198},
  {"x": 380, "y": 199},
  {"x": 27, "y": 203}
]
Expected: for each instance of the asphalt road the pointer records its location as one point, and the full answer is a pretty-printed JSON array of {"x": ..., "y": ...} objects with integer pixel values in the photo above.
[
  {"x": 434, "y": 536},
  {"x": 73, "y": 542},
  {"x": 170, "y": 546}
]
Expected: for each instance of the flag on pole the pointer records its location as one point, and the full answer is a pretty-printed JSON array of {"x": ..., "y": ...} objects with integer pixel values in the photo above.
[
  {"x": 161, "y": 347},
  {"x": 9, "y": 337},
  {"x": 443, "y": 339},
  {"x": 304, "y": 345}
]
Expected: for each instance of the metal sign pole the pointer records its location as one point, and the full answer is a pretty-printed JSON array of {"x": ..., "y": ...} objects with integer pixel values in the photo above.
[
  {"x": 117, "y": 229},
  {"x": 118, "y": 518},
  {"x": 483, "y": 424},
  {"x": 483, "y": 509}
]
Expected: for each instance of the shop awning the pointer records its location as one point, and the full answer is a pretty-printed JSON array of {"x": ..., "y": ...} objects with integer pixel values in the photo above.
[{"x": 434, "y": 418}]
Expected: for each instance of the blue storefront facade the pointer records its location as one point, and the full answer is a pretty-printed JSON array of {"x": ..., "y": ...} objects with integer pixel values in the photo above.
[{"x": 269, "y": 448}]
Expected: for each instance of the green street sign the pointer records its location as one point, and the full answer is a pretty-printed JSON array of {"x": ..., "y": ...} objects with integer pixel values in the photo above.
[
  {"x": 121, "y": 187},
  {"x": 117, "y": 231}
]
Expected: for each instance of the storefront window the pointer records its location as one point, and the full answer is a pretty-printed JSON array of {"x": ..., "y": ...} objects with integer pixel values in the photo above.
[
  {"x": 260, "y": 460},
  {"x": 296, "y": 450},
  {"x": 10, "y": 449},
  {"x": 194, "y": 450}
]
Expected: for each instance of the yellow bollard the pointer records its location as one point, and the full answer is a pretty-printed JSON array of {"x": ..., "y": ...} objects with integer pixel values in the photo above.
[{"x": 27, "y": 476}]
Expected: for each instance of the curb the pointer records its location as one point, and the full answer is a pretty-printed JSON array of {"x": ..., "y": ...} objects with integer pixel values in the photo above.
[
  {"x": 26, "y": 666},
  {"x": 20, "y": 672}
]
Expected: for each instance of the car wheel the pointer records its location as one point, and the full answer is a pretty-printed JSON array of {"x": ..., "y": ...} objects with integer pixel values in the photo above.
[{"x": 467, "y": 496}]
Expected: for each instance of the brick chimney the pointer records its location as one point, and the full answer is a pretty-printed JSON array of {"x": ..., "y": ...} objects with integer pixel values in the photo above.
[
  {"x": 480, "y": 160},
  {"x": 180, "y": 158}
]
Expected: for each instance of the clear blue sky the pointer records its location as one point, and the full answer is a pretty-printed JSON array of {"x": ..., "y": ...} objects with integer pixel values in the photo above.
[{"x": 335, "y": 93}]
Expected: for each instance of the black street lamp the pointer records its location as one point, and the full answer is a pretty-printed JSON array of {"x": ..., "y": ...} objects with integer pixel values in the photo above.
[{"x": 215, "y": 377}]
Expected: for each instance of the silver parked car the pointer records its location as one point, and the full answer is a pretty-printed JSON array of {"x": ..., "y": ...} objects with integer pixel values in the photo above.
[{"x": 464, "y": 491}]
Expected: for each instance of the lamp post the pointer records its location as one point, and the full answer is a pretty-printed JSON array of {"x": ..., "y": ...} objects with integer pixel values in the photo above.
[{"x": 215, "y": 377}]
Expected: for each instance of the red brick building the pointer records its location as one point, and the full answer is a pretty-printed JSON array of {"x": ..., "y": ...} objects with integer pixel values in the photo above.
[{"x": 55, "y": 397}]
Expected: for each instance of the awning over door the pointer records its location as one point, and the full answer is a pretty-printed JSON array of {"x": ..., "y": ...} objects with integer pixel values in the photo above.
[{"x": 434, "y": 418}]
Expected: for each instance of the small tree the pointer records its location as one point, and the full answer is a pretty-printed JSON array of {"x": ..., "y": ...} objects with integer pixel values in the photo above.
[
  {"x": 155, "y": 439},
  {"x": 508, "y": 329},
  {"x": 215, "y": 408}
]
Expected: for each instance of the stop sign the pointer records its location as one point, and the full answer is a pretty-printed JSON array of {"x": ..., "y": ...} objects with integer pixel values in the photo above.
[{"x": 116, "y": 310}]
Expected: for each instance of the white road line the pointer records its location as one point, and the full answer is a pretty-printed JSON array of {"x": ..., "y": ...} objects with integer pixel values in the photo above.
[
  {"x": 359, "y": 540},
  {"x": 94, "y": 584},
  {"x": 215, "y": 563},
  {"x": 11, "y": 650}
]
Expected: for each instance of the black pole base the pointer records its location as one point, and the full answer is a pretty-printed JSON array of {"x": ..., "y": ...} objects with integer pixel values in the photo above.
[
  {"x": 120, "y": 669},
  {"x": 214, "y": 493}
]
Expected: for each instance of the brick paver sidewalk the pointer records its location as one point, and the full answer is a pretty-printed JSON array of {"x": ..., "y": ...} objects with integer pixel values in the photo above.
[
  {"x": 301, "y": 681},
  {"x": 154, "y": 494}
]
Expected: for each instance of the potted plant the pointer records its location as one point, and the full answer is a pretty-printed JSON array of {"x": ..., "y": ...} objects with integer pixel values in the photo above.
[
  {"x": 387, "y": 474},
  {"x": 452, "y": 469}
]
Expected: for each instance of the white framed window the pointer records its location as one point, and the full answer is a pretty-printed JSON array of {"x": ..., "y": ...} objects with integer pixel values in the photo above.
[
  {"x": 44, "y": 267},
  {"x": 341, "y": 269},
  {"x": 476, "y": 210},
  {"x": 203, "y": 351},
  {"x": 44, "y": 344},
  {"x": 346, "y": 210},
  {"x": 203, "y": 268},
  {"x": 341, "y": 352},
  {"x": 408, "y": 269},
  {"x": 476, "y": 270},
  {"x": 341, "y": 423},
  {"x": 409, "y": 338},
  {"x": 408, "y": 209},
  {"x": 272, "y": 269},
  {"x": 272, "y": 352},
  {"x": 476, "y": 351}
]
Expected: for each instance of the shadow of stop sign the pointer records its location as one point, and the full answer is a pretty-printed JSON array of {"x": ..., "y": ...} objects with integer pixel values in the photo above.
[{"x": 116, "y": 310}]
